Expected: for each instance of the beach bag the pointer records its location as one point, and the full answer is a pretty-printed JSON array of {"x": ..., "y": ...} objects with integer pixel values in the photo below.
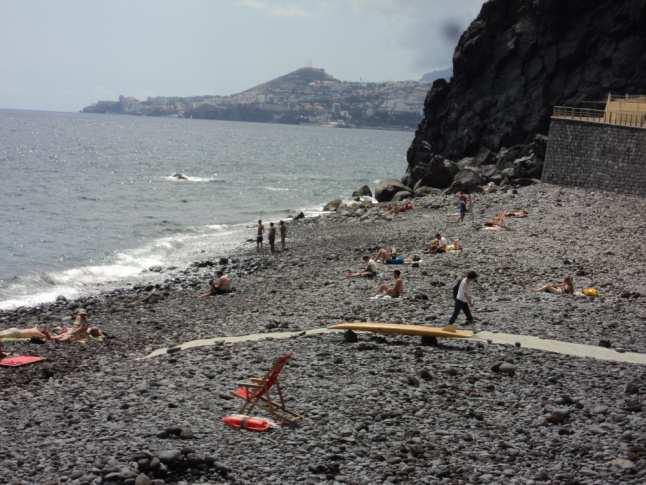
[
  {"x": 591, "y": 292},
  {"x": 456, "y": 288}
]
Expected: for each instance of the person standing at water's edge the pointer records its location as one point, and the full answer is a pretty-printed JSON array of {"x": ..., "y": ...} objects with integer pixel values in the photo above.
[
  {"x": 283, "y": 233},
  {"x": 462, "y": 297},
  {"x": 259, "y": 236},
  {"x": 272, "y": 237}
]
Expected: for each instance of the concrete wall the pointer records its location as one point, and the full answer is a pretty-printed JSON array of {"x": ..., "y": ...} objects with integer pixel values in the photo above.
[{"x": 596, "y": 156}]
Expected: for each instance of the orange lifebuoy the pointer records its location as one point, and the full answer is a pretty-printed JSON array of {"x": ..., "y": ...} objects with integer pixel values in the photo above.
[{"x": 250, "y": 423}]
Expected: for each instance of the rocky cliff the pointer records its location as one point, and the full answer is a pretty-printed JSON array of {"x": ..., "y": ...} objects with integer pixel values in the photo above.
[{"x": 517, "y": 60}]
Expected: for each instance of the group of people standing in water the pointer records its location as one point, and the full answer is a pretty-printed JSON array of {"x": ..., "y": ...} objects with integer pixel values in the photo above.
[{"x": 271, "y": 235}]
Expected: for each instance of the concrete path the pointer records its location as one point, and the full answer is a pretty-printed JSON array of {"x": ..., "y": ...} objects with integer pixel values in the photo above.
[{"x": 527, "y": 341}]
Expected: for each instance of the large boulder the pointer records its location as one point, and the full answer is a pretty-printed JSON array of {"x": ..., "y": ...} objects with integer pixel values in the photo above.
[
  {"x": 424, "y": 191},
  {"x": 401, "y": 195},
  {"x": 487, "y": 172},
  {"x": 467, "y": 181},
  {"x": 364, "y": 190},
  {"x": 332, "y": 205},
  {"x": 436, "y": 172},
  {"x": 528, "y": 167},
  {"x": 385, "y": 190}
]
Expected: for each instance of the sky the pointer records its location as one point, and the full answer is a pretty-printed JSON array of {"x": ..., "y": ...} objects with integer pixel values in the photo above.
[{"x": 65, "y": 54}]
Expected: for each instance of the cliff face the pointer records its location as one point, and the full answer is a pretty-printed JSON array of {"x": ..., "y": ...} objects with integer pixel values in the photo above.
[{"x": 516, "y": 61}]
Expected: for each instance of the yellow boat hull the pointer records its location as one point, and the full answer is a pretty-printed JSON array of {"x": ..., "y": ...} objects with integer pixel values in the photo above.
[{"x": 401, "y": 329}]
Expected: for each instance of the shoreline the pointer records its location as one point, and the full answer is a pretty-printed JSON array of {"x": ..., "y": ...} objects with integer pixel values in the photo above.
[{"x": 372, "y": 415}]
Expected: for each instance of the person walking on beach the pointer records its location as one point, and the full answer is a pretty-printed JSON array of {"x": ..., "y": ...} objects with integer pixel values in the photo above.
[
  {"x": 283, "y": 233},
  {"x": 462, "y": 205},
  {"x": 272, "y": 237},
  {"x": 462, "y": 297},
  {"x": 259, "y": 236}
]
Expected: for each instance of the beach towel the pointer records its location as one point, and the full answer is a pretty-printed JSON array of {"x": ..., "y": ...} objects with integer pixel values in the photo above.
[
  {"x": 20, "y": 360},
  {"x": 398, "y": 260}
]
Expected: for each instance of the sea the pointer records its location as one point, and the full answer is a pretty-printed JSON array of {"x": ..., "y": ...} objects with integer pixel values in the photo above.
[{"x": 89, "y": 202}]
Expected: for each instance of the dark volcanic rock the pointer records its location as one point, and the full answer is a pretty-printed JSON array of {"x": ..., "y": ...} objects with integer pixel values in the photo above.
[
  {"x": 362, "y": 191},
  {"x": 518, "y": 60},
  {"x": 386, "y": 189},
  {"x": 467, "y": 181}
]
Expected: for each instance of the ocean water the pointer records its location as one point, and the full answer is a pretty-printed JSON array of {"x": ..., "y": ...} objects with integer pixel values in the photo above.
[{"x": 89, "y": 202}]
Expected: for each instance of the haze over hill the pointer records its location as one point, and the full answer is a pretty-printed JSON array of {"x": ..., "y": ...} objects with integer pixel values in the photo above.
[{"x": 307, "y": 95}]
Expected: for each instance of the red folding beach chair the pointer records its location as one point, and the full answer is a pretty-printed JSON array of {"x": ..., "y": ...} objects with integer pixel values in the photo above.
[{"x": 257, "y": 392}]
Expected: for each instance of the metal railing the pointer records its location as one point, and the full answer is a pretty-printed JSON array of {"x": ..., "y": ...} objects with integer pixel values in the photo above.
[
  {"x": 627, "y": 97},
  {"x": 619, "y": 118}
]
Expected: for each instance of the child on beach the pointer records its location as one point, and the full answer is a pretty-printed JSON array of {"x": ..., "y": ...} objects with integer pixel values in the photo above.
[
  {"x": 463, "y": 199},
  {"x": 259, "y": 235},
  {"x": 369, "y": 272},
  {"x": 394, "y": 291},
  {"x": 462, "y": 297}
]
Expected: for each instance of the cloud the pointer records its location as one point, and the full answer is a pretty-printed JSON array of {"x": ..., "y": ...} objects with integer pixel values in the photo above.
[
  {"x": 428, "y": 29},
  {"x": 274, "y": 9}
]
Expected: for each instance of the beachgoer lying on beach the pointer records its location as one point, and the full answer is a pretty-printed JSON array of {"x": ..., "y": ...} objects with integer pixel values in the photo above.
[
  {"x": 80, "y": 331},
  {"x": 394, "y": 291},
  {"x": 396, "y": 208},
  {"x": 564, "y": 288},
  {"x": 369, "y": 272},
  {"x": 437, "y": 245},
  {"x": 219, "y": 286},
  {"x": 385, "y": 253},
  {"x": 22, "y": 333},
  {"x": 496, "y": 223},
  {"x": 519, "y": 213},
  {"x": 456, "y": 245}
]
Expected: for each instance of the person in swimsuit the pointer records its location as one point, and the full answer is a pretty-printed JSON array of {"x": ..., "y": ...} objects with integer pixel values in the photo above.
[
  {"x": 564, "y": 288},
  {"x": 80, "y": 331},
  {"x": 283, "y": 233},
  {"x": 259, "y": 236},
  {"x": 369, "y": 272},
  {"x": 272, "y": 237},
  {"x": 221, "y": 285},
  {"x": 396, "y": 290}
]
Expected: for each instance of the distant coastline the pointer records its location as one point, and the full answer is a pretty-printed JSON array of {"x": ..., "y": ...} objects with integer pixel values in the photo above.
[{"x": 305, "y": 96}]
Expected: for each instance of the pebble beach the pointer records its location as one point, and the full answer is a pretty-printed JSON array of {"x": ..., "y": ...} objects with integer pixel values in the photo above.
[{"x": 384, "y": 409}]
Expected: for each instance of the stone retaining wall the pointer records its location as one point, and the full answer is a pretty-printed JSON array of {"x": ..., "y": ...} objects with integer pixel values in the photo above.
[{"x": 595, "y": 155}]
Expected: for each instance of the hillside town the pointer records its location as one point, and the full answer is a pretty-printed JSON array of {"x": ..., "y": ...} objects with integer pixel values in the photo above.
[{"x": 307, "y": 95}]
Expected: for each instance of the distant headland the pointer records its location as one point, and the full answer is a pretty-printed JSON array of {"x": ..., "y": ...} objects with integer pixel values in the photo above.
[{"x": 307, "y": 95}]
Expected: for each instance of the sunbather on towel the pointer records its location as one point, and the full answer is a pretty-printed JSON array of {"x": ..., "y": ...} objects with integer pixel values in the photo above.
[
  {"x": 369, "y": 272},
  {"x": 219, "y": 286},
  {"x": 80, "y": 331},
  {"x": 497, "y": 223},
  {"x": 386, "y": 253},
  {"x": 394, "y": 291},
  {"x": 23, "y": 333},
  {"x": 565, "y": 288},
  {"x": 437, "y": 245},
  {"x": 456, "y": 245}
]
